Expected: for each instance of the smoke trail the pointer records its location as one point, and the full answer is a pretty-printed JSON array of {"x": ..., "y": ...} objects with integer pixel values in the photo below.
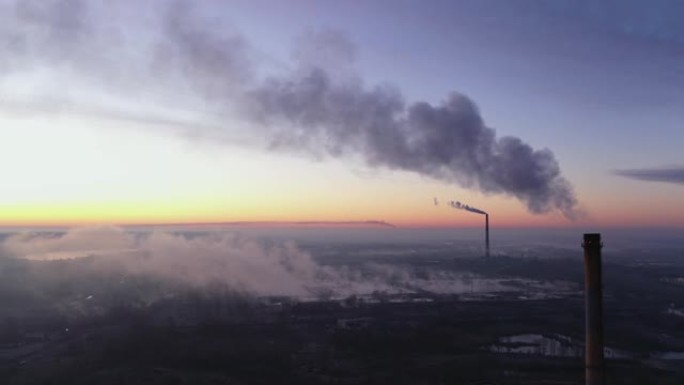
[
  {"x": 320, "y": 106},
  {"x": 663, "y": 174},
  {"x": 462, "y": 206}
]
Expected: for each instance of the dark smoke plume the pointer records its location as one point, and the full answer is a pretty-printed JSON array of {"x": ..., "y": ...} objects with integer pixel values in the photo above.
[
  {"x": 447, "y": 142},
  {"x": 462, "y": 206},
  {"x": 319, "y": 106}
]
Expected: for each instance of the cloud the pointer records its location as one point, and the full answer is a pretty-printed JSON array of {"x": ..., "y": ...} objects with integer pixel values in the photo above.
[
  {"x": 319, "y": 105},
  {"x": 367, "y": 223},
  {"x": 664, "y": 174},
  {"x": 656, "y": 19}
]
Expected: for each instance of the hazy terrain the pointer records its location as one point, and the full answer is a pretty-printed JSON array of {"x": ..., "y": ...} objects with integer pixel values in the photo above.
[{"x": 251, "y": 305}]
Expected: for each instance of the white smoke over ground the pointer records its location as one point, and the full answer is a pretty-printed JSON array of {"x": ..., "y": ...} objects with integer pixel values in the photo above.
[
  {"x": 238, "y": 262},
  {"x": 228, "y": 260},
  {"x": 318, "y": 104},
  {"x": 76, "y": 243}
]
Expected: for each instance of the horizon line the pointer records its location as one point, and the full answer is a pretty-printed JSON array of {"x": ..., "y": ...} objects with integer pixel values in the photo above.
[
  {"x": 366, "y": 223},
  {"x": 332, "y": 224}
]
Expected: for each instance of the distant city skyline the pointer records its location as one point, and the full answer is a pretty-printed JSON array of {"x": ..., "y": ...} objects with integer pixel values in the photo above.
[{"x": 209, "y": 112}]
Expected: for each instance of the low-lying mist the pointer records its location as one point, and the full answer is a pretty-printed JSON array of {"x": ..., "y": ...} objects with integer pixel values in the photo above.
[
  {"x": 227, "y": 259},
  {"x": 214, "y": 259}
]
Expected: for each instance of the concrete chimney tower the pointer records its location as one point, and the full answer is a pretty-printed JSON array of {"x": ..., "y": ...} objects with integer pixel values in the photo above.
[
  {"x": 593, "y": 291},
  {"x": 487, "y": 235}
]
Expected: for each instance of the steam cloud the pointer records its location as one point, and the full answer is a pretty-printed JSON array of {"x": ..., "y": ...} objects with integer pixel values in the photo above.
[{"x": 319, "y": 106}]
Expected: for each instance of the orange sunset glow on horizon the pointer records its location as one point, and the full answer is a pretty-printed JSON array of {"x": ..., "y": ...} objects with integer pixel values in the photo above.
[{"x": 324, "y": 135}]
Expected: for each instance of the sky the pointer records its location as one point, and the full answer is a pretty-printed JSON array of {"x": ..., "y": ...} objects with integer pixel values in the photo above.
[{"x": 541, "y": 113}]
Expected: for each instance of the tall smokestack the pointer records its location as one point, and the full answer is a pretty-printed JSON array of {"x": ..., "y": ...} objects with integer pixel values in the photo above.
[
  {"x": 593, "y": 291},
  {"x": 463, "y": 206},
  {"x": 487, "y": 234}
]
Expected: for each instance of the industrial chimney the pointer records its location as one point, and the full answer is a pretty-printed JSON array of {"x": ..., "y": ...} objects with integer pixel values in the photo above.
[
  {"x": 463, "y": 206},
  {"x": 487, "y": 234},
  {"x": 593, "y": 291}
]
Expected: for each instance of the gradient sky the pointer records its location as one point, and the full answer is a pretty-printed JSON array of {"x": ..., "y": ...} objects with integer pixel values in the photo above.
[{"x": 598, "y": 83}]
